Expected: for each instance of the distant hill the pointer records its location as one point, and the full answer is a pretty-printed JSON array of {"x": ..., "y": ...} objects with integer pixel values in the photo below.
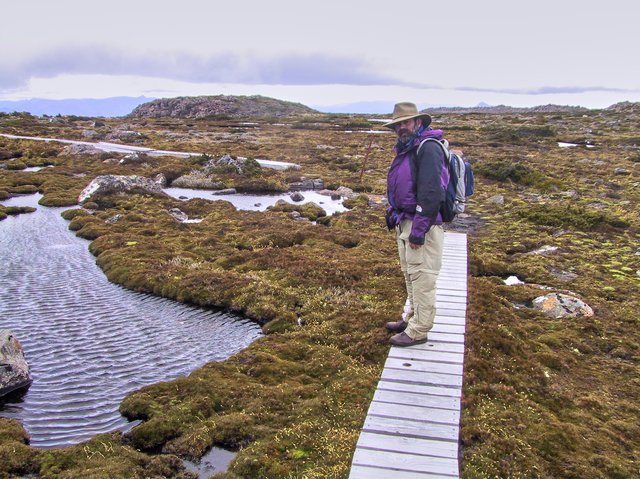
[
  {"x": 107, "y": 107},
  {"x": 626, "y": 107},
  {"x": 220, "y": 105},
  {"x": 501, "y": 109}
]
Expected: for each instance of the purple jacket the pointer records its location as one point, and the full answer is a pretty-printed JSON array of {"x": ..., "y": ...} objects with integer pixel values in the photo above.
[{"x": 416, "y": 185}]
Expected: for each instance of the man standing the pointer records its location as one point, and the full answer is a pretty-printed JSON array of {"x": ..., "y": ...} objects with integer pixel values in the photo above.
[{"x": 416, "y": 183}]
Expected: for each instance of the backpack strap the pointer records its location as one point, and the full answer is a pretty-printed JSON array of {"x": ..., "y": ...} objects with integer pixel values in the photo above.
[{"x": 444, "y": 144}]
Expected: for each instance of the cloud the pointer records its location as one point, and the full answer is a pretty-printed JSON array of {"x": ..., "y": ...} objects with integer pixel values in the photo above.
[
  {"x": 291, "y": 69},
  {"x": 549, "y": 90}
]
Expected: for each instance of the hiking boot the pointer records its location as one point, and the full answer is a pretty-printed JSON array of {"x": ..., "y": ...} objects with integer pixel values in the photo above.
[
  {"x": 402, "y": 340},
  {"x": 396, "y": 326}
]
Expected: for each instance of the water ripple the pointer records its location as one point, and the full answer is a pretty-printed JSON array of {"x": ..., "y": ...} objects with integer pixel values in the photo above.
[{"x": 90, "y": 342}]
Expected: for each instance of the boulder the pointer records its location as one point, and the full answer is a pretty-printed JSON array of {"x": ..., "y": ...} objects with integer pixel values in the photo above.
[
  {"x": 297, "y": 196},
  {"x": 545, "y": 250},
  {"x": 178, "y": 215},
  {"x": 136, "y": 158},
  {"x": 346, "y": 192},
  {"x": 110, "y": 184},
  {"x": 558, "y": 305},
  {"x": 226, "y": 191},
  {"x": 161, "y": 179},
  {"x": 496, "y": 200},
  {"x": 81, "y": 149},
  {"x": 14, "y": 370}
]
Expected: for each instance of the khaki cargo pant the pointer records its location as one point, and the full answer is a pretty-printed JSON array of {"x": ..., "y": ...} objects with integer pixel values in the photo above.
[{"x": 420, "y": 268}]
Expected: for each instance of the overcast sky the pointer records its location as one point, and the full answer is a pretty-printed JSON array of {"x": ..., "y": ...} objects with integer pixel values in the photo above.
[{"x": 327, "y": 52}]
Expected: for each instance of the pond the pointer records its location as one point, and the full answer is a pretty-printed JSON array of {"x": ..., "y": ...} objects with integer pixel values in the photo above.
[{"x": 90, "y": 342}]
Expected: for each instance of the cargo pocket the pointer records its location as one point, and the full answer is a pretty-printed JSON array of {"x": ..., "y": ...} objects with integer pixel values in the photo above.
[{"x": 415, "y": 258}]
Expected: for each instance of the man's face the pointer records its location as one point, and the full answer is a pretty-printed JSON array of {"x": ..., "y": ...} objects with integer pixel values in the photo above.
[{"x": 406, "y": 128}]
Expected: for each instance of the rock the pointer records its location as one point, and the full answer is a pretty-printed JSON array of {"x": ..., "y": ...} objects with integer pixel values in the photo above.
[
  {"x": 569, "y": 194},
  {"x": 346, "y": 192},
  {"x": 296, "y": 196},
  {"x": 89, "y": 133},
  {"x": 496, "y": 200},
  {"x": 14, "y": 370},
  {"x": 80, "y": 150},
  {"x": 296, "y": 215},
  {"x": 239, "y": 163},
  {"x": 257, "y": 205},
  {"x": 544, "y": 250},
  {"x": 160, "y": 179},
  {"x": 558, "y": 305},
  {"x": 178, "y": 214},
  {"x": 226, "y": 191},
  {"x": 563, "y": 275},
  {"x": 335, "y": 196},
  {"x": 126, "y": 136},
  {"x": 113, "y": 219},
  {"x": 136, "y": 158},
  {"x": 620, "y": 171},
  {"x": 306, "y": 184},
  {"x": 98, "y": 124},
  {"x": 110, "y": 184}
]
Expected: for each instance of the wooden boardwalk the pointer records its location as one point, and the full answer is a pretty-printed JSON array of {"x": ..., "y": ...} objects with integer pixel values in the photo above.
[{"x": 412, "y": 427}]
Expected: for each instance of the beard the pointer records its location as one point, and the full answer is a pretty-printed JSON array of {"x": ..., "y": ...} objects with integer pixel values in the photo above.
[{"x": 404, "y": 134}]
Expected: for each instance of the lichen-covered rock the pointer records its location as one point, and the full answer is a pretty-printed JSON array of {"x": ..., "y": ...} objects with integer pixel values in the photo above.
[
  {"x": 14, "y": 370},
  {"x": 109, "y": 184},
  {"x": 297, "y": 196},
  {"x": 558, "y": 305}
]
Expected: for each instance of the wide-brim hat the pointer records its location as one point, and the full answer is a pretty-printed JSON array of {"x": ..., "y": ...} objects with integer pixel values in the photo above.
[{"x": 405, "y": 111}]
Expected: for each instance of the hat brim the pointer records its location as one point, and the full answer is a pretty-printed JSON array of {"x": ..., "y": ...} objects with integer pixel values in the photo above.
[{"x": 426, "y": 120}]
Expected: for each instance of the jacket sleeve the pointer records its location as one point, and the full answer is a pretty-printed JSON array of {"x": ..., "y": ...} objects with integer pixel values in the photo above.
[{"x": 429, "y": 191}]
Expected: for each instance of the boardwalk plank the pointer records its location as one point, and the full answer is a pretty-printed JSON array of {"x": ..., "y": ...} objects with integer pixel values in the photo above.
[
  {"x": 450, "y": 391},
  {"x": 411, "y": 445},
  {"x": 448, "y": 328},
  {"x": 420, "y": 377},
  {"x": 413, "y": 354},
  {"x": 417, "y": 399},
  {"x": 425, "y": 414},
  {"x": 423, "y": 366},
  {"x": 435, "y": 346},
  {"x": 366, "y": 472},
  {"x": 446, "y": 337},
  {"x": 411, "y": 428},
  {"x": 407, "y": 462}
]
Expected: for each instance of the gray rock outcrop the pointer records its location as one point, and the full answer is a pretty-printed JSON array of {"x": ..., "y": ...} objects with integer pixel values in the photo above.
[
  {"x": 14, "y": 370},
  {"x": 110, "y": 184}
]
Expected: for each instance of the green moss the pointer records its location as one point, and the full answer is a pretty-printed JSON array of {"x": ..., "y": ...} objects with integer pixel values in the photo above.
[
  {"x": 568, "y": 216},
  {"x": 309, "y": 210},
  {"x": 71, "y": 214}
]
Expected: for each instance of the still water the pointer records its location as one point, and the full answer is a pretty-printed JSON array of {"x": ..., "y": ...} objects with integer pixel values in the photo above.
[{"x": 90, "y": 342}]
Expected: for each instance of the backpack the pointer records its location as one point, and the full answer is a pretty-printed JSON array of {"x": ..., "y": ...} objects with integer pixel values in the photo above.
[{"x": 460, "y": 185}]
